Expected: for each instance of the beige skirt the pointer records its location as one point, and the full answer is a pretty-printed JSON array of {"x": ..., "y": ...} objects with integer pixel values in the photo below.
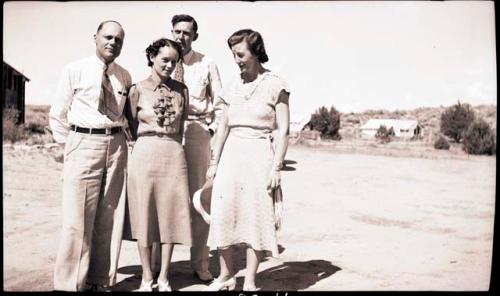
[
  {"x": 157, "y": 192},
  {"x": 241, "y": 208}
]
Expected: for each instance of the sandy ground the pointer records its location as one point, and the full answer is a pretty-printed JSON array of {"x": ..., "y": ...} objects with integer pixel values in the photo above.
[{"x": 352, "y": 222}]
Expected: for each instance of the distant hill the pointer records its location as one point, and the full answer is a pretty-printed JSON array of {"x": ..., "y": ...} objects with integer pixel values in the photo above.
[{"x": 428, "y": 117}]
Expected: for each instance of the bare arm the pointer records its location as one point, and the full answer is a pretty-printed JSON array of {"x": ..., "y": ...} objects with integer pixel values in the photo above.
[
  {"x": 185, "y": 112},
  {"x": 283, "y": 125},
  {"x": 131, "y": 112},
  {"x": 218, "y": 144}
]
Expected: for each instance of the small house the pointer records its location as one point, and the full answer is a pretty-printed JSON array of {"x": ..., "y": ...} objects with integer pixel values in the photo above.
[{"x": 404, "y": 129}]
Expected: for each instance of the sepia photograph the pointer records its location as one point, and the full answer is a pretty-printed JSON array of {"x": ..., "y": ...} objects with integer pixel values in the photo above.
[{"x": 248, "y": 146}]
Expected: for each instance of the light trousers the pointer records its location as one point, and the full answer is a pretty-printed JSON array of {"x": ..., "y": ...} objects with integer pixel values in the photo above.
[
  {"x": 93, "y": 207},
  {"x": 197, "y": 148}
]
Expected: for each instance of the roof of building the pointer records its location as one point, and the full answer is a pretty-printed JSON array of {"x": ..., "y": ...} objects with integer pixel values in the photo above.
[
  {"x": 299, "y": 120},
  {"x": 17, "y": 71},
  {"x": 396, "y": 124}
]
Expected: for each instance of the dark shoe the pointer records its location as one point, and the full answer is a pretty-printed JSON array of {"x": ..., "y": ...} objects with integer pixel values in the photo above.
[
  {"x": 99, "y": 288},
  {"x": 204, "y": 275}
]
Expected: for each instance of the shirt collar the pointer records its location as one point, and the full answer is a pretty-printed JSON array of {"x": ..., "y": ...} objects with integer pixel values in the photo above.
[
  {"x": 102, "y": 65},
  {"x": 156, "y": 83},
  {"x": 187, "y": 57}
]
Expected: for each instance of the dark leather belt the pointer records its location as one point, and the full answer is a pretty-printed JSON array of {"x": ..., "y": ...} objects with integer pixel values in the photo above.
[{"x": 97, "y": 131}]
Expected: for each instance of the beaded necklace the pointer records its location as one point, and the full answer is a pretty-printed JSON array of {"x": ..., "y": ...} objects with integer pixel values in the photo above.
[{"x": 254, "y": 87}]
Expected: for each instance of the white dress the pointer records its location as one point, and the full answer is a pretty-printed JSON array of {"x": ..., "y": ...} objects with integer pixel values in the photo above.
[{"x": 241, "y": 208}]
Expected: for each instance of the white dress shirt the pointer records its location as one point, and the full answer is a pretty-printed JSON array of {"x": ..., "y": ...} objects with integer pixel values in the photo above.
[
  {"x": 77, "y": 96},
  {"x": 201, "y": 76}
]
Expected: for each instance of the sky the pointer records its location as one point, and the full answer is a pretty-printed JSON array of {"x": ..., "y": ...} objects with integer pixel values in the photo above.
[{"x": 353, "y": 55}]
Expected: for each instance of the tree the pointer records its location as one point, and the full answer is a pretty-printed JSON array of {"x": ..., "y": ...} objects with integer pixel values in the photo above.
[
  {"x": 455, "y": 120},
  {"x": 479, "y": 138},
  {"x": 384, "y": 134},
  {"x": 327, "y": 122}
]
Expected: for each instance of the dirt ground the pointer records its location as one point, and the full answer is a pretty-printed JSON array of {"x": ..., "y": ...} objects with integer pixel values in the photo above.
[{"x": 353, "y": 221}]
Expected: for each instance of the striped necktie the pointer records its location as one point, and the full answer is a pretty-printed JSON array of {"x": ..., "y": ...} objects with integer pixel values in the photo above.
[
  {"x": 179, "y": 72},
  {"x": 107, "y": 101}
]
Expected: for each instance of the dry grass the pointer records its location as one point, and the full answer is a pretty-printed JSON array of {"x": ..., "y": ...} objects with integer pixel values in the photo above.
[{"x": 33, "y": 131}]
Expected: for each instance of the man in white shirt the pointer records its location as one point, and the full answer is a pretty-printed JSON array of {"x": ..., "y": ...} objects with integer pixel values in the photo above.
[
  {"x": 201, "y": 76},
  {"x": 86, "y": 117}
]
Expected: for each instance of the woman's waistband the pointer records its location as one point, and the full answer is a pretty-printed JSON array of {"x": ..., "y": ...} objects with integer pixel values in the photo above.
[
  {"x": 250, "y": 133},
  {"x": 173, "y": 137}
]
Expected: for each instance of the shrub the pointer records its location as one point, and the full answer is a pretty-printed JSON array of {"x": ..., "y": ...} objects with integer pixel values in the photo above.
[
  {"x": 11, "y": 130},
  {"x": 455, "y": 120},
  {"x": 442, "y": 144},
  {"x": 479, "y": 139},
  {"x": 37, "y": 118},
  {"x": 384, "y": 134},
  {"x": 327, "y": 122}
]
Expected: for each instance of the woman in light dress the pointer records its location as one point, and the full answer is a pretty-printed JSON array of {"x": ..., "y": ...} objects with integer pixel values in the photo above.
[
  {"x": 157, "y": 186},
  {"x": 244, "y": 165}
]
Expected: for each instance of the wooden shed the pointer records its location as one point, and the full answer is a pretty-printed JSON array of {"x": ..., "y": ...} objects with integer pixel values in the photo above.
[
  {"x": 13, "y": 91},
  {"x": 404, "y": 129}
]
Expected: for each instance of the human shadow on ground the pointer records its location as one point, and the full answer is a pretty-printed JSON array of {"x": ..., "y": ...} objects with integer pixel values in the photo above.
[
  {"x": 295, "y": 275},
  {"x": 180, "y": 272},
  {"x": 286, "y": 165},
  {"x": 289, "y": 276}
]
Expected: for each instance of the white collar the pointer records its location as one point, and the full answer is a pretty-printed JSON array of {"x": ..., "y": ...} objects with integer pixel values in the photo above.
[{"x": 101, "y": 64}]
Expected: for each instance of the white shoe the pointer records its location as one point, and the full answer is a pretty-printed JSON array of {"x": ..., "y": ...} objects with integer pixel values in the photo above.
[
  {"x": 145, "y": 287},
  {"x": 250, "y": 288},
  {"x": 217, "y": 285},
  {"x": 204, "y": 275},
  {"x": 164, "y": 286}
]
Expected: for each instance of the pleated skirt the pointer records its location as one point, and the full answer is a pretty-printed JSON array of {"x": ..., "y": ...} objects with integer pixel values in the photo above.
[
  {"x": 241, "y": 208},
  {"x": 157, "y": 192}
]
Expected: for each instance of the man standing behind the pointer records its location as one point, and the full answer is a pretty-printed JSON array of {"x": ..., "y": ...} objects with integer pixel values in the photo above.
[
  {"x": 87, "y": 118},
  {"x": 201, "y": 76}
]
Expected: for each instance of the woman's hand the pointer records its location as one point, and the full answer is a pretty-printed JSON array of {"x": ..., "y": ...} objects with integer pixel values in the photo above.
[
  {"x": 212, "y": 169},
  {"x": 274, "y": 181}
]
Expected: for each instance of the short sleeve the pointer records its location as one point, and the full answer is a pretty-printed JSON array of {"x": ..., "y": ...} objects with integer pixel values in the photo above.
[{"x": 279, "y": 84}]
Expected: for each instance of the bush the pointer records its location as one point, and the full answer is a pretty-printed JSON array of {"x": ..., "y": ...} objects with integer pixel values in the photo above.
[
  {"x": 479, "y": 139},
  {"x": 442, "y": 144},
  {"x": 37, "y": 118},
  {"x": 455, "y": 120},
  {"x": 384, "y": 134},
  {"x": 327, "y": 122},
  {"x": 11, "y": 130}
]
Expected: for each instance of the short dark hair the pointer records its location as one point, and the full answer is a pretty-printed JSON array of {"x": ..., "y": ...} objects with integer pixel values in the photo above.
[
  {"x": 105, "y": 22},
  {"x": 254, "y": 40},
  {"x": 154, "y": 48},
  {"x": 185, "y": 18}
]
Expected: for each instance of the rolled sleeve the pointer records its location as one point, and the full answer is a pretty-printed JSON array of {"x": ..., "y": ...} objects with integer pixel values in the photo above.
[{"x": 58, "y": 115}]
